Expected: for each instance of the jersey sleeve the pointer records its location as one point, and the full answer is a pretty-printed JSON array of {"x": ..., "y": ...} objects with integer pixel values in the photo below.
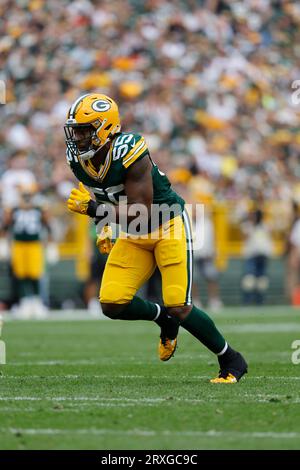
[{"x": 137, "y": 149}]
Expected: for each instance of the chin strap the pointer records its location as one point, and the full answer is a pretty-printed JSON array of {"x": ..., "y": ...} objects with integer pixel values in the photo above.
[
  {"x": 91, "y": 153},
  {"x": 87, "y": 155}
]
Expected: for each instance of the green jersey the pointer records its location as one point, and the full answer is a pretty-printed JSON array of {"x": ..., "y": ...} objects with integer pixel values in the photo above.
[
  {"x": 108, "y": 184},
  {"x": 27, "y": 224}
]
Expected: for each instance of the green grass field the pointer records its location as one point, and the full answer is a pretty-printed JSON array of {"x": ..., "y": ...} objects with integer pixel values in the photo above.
[{"x": 99, "y": 385}]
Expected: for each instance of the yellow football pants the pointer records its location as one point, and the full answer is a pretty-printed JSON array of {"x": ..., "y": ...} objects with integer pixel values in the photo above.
[
  {"x": 27, "y": 259},
  {"x": 132, "y": 261}
]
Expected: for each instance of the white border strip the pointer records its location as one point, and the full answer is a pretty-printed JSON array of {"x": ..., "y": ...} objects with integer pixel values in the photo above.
[
  {"x": 73, "y": 107},
  {"x": 186, "y": 224},
  {"x": 149, "y": 432}
]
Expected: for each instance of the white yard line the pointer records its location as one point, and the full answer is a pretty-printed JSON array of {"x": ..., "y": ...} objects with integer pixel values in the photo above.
[
  {"x": 154, "y": 377},
  {"x": 58, "y": 362},
  {"x": 8, "y": 409},
  {"x": 246, "y": 328},
  {"x": 258, "y": 356},
  {"x": 58, "y": 315},
  {"x": 71, "y": 408},
  {"x": 285, "y": 327},
  {"x": 122, "y": 401},
  {"x": 242, "y": 328},
  {"x": 142, "y": 432},
  {"x": 241, "y": 313},
  {"x": 89, "y": 399}
]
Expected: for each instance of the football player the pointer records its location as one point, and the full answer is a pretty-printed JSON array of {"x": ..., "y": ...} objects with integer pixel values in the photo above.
[
  {"x": 113, "y": 165},
  {"x": 25, "y": 224}
]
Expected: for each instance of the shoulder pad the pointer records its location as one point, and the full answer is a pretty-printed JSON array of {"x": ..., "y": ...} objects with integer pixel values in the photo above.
[{"x": 129, "y": 148}]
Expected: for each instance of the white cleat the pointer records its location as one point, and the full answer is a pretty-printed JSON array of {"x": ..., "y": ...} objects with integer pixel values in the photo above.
[
  {"x": 22, "y": 311},
  {"x": 94, "y": 309},
  {"x": 39, "y": 310}
]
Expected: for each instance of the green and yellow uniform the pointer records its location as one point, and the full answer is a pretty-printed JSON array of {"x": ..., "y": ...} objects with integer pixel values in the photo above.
[
  {"x": 133, "y": 259},
  {"x": 27, "y": 249},
  {"x": 93, "y": 122},
  {"x": 108, "y": 184}
]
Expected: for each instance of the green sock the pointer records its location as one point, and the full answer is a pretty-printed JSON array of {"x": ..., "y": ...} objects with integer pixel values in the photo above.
[
  {"x": 23, "y": 286},
  {"x": 139, "y": 309},
  {"x": 35, "y": 288},
  {"x": 200, "y": 325}
]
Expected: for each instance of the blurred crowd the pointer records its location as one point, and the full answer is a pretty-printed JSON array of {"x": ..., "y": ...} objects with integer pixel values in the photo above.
[{"x": 209, "y": 84}]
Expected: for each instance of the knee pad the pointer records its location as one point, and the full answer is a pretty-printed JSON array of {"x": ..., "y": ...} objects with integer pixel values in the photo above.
[
  {"x": 114, "y": 293},
  {"x": 174, "y": 295}
]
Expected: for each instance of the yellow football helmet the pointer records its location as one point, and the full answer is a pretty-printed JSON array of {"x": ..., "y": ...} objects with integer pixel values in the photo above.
[{"x": 92, "y": 121}]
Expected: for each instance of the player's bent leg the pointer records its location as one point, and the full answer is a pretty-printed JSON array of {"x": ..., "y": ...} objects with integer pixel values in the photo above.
[
  {"x": 200, "y": 325},
  {"x": 113, "y": 311},
  {"x": 128, "y": 267},
  {"x": 137, "y": 309},
  {"x": 232, "y": 367},
  {"x": 174, "y": 258},
  {"x": 232, "y": 364},
  {"x": 169, "y": 331},
  {"x": 180, "y": 312}
]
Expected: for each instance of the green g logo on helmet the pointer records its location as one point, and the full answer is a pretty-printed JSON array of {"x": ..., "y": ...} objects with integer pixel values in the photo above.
[{"x": 101, "y": 105}]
